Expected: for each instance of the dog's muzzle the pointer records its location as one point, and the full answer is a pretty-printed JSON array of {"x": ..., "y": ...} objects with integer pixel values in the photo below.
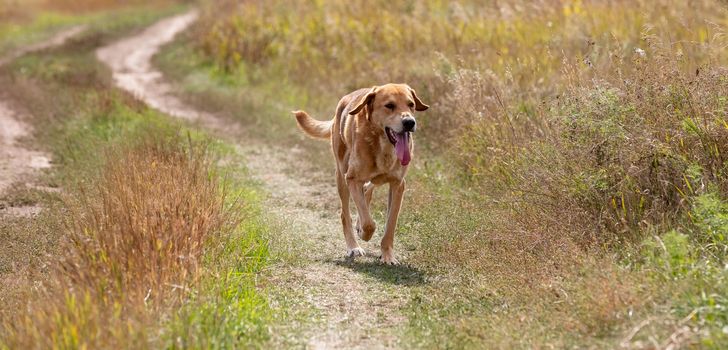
[{"x": 409, "y": 124}]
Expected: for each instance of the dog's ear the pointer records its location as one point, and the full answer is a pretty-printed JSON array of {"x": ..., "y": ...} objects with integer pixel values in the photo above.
[
  {"x": 419, "y": 106},
  {"x": 365, "y": 101}
]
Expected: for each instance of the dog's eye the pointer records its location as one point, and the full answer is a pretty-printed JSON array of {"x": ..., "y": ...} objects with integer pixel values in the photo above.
[
  {"x": 390, "y": 106},
  {"x": 411, "y": 105}
]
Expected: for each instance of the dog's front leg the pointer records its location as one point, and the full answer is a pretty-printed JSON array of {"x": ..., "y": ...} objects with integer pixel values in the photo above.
[
  {"x": 396, "y": 193},
  {"x": 356, "y": 189}
]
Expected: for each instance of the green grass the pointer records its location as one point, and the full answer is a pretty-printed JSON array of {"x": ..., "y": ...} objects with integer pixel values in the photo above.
[
  {"x": 44, "y": 23},
  {"x": 13, "y": 35},
  {"x": 232, "y": 310}
]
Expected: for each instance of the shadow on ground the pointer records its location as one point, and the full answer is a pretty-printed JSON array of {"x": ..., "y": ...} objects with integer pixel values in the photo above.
[{"x": 402, "y": 275}]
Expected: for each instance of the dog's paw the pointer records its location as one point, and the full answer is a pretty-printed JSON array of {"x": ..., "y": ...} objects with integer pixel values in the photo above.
[
  {"x": 352, "y": 253},
  {"x": 388, "y": 259},
  {"x": 366, "y": 232}
]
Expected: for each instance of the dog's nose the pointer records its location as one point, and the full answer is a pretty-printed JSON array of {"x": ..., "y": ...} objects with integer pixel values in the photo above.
[{"x": 409, "y": 123}]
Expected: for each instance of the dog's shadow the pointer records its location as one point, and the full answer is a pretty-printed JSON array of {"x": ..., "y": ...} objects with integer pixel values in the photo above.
[{"x": 401, "y": 275}]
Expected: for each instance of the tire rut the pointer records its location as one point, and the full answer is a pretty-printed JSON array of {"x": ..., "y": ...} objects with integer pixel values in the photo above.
[{"x": 19, "y": 161}]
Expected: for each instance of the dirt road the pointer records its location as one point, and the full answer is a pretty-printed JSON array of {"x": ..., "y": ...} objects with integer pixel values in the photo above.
[
  {"x": 334, "y": 303},
  {"x": 19, "y": 160},
  {"x": 23, "y": 247}
]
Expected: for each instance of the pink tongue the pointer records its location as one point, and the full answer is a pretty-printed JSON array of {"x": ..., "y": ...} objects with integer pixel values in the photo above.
[{"x": 402, "y": 148}]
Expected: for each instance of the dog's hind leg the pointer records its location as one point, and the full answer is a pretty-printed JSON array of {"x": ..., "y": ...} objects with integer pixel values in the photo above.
[
  {"x": 352, "y": 247},
  {"x": 368, "y": 191}
]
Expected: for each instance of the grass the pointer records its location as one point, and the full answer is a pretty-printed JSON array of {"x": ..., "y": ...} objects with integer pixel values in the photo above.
[
  {"x": 571, "y": 185},
  {"x": 152, "y": 243},
  {"x": 37, "y": 20}
]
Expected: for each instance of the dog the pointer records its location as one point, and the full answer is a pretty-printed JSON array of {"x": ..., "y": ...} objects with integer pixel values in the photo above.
[{"x": 371, "y": 138}]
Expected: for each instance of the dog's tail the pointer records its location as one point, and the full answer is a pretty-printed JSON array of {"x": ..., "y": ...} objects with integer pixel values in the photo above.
[{"x": 313, "y": 127}]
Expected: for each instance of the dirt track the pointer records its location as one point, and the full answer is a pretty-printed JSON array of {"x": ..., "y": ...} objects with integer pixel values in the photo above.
[
  {"x": 350, "y": 303},
  {"x": 23, "y": 266},
  {"x": 19, "y": 161}
]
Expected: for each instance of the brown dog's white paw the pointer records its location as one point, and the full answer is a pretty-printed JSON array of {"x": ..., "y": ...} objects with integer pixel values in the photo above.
[
  {"x": 388, "y": 259},
  {"x": 358, "y": 251}
]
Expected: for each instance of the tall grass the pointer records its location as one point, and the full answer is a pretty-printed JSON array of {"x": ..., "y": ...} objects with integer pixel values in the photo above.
[
  {"x": 146, "y": 223},
  {"x": 524, "y": 43},
  {"x": 134, "y": 246}
]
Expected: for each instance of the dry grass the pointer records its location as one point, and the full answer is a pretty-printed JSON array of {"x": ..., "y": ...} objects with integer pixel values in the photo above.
[
  {"x": 133, "y": 248},
  {"x": 146, "y": 223},
  {"x": 626, "y": 153},
  {"x": 523, "y": 43}
]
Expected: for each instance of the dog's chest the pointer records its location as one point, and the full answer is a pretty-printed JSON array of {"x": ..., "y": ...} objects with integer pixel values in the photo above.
[
  {"x": 385, "y": 157},
  {"x": 375, "y": 160}
]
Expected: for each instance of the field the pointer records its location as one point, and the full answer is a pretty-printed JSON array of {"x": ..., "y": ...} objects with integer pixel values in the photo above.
[{"x": 569, "y": 187}]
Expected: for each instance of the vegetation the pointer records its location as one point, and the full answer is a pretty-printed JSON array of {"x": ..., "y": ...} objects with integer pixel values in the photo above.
[
  {"x": 35, "y": 20},
  {"x": 572, "y": 184},
  {"x": 152, "y": 243},
  {"x": 570, "y": 187}
]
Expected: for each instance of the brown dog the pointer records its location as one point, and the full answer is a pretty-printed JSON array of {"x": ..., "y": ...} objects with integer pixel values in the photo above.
[{"x": 372, "y": 144}]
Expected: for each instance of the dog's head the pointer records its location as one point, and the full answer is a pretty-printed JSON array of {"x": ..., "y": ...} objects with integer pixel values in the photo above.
[{"x": 392, "y": 107}]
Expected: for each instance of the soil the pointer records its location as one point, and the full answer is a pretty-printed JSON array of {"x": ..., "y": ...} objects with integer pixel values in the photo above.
[{"x": 20, "y": 157}]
